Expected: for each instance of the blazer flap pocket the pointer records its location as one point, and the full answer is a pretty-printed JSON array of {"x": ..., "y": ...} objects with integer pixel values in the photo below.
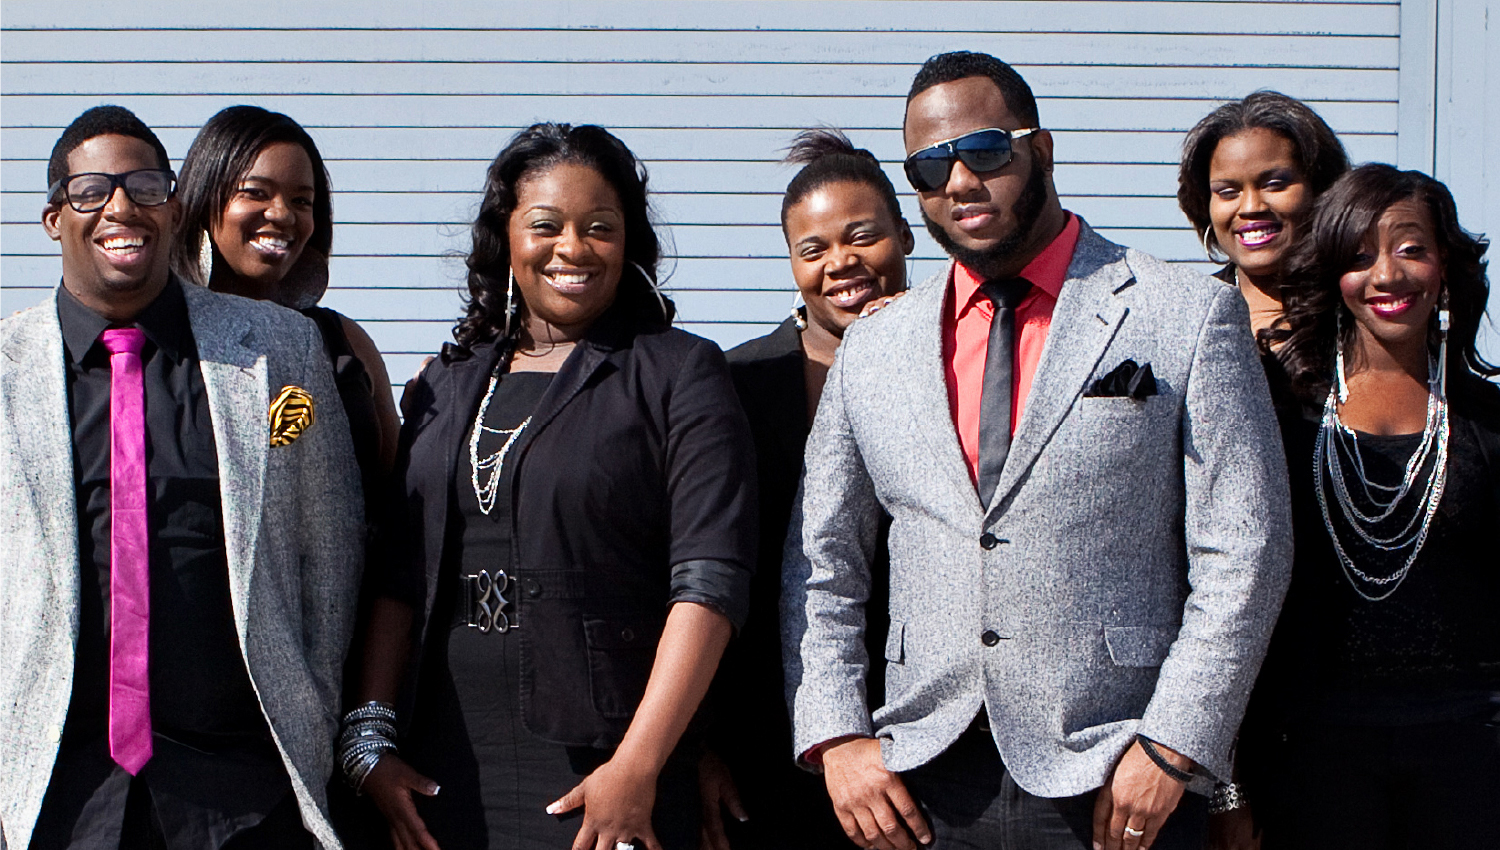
[
  {"x": 1139, "y": 646},
  {"x": 895, "y": 643},
  {"x": 623, "y": 632}
]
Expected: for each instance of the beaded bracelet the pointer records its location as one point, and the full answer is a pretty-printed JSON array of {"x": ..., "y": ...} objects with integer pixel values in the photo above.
[{"x": 369, "y": 732}]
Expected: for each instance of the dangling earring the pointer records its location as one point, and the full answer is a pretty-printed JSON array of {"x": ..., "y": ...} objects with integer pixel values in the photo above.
[
  {"x": 799, "y": 312},
  {"x": 655, "y": 290},
  {"x": 1444, "y": 322},
  {"x": 1338, "y": 360},
  {"x": 1211, "y": 250},
  {"x": 205, "y": 257},
  {"x": 510, "y": 295}
]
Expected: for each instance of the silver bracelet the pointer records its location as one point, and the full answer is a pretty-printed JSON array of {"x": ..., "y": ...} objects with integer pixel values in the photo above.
[
  {"x": 368, "y": 733},
  {"x": 1227, "y": 797}
]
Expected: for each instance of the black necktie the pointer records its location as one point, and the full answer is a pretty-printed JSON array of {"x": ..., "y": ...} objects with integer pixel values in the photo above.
[{"x": 995, "y": 396}]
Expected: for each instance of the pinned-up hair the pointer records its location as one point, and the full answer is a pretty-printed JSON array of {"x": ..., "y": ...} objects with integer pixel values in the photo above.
[{"x": 827, "y": 156}]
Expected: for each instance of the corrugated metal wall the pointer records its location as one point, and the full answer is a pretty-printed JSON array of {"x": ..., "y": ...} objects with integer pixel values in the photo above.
[{"x": 410, "y": 100}]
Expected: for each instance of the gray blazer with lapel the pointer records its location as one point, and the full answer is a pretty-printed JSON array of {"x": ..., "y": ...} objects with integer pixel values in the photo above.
[
  {"x": 293, "y": 528},
  {"x": 1145, "y": 546}
]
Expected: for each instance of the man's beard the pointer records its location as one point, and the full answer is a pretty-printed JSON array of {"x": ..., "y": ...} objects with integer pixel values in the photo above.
[{"x": 989, "y": 262}]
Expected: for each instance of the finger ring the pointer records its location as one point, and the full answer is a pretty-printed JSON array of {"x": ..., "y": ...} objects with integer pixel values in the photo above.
[
  {"x": 624, "y": 845},
  {"x": 1133, "y": 833}
]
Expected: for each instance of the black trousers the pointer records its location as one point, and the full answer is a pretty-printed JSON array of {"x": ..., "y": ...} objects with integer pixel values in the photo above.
[
  {"x": 1432, "y": 787},
  {"x": 971, "y": 801}
]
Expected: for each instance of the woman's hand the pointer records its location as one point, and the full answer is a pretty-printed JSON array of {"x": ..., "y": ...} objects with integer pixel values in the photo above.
[
  {"x": 616, "y": 800},
  {"x": 391, "y": 785},
  {"x": 1233, "y": 830},
  {"x": 717, "y": 789}
]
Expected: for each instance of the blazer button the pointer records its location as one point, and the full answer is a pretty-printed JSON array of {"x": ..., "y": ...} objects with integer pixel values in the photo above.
[
  {"x": 533, "y": 588},
  {"x": 988, "y": 541},
  {"x": 627, "y": 635},
  {"x": 989, "y": 638}
]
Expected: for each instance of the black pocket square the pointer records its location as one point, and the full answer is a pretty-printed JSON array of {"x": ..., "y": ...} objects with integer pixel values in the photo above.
[{"x": 1127, "y": 380}]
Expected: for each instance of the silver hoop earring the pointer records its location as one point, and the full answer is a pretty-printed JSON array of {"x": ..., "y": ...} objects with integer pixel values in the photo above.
[
  {"x": 1212, "y": 250},
  {"x": 655, "y": 290},
  {"x": 510, "y": 295},
  {"x": 799, "y": 311},
  {"x": 1338, "y": 359},
  {"x": 205, "y": 257}
]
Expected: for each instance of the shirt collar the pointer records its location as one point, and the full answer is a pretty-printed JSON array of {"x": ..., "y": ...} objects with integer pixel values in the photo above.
[
  {"x": 1046, "y": 271},
  {"x": 164, "y": 321}
]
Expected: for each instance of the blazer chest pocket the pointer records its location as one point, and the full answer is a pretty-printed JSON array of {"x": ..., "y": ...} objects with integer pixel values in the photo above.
[
  {"x": 895, "y": 643},
  {"x": 621, "y": 651},
  {"x": 1139, "y": 646}
]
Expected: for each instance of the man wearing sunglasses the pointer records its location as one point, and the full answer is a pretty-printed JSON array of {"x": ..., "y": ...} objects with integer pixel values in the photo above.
[
  {"x": 1090, "y": 535},
  {"x": 177, "y": 579}
]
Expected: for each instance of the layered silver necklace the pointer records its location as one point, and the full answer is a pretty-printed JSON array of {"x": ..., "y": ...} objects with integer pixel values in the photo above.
[
  {"x": 492, "y": 464},
  {"x": 1337, "y": 447}
]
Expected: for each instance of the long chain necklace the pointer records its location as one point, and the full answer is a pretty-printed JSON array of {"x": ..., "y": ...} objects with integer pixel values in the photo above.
[
  {"x": 1336, "y": 441},
  {"x": 493, "y": 463}
]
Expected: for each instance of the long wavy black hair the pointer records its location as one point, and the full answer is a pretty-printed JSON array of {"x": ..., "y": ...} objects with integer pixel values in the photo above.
[
  {"x": 534, "y": 150},
  {"x": 1320, "y": 154},
  {"x": 221, "y": 155},
  {"x": 1313, "y": 306}
]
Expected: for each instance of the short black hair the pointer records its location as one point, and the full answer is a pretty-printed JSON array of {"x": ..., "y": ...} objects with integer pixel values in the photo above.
[
  {"x": 1320, "y": 154},
  {"x": 101, "y": 121},
  {"x": 827, "y": 156},
  {"x": 962, "y": 64},
  {"x": 221, "y": 155}
]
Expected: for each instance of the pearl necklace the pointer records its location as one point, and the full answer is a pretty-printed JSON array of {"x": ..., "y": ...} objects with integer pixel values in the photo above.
[
  {"x": 493, "y": 463},
  {"x": 1336, "y": 441}
]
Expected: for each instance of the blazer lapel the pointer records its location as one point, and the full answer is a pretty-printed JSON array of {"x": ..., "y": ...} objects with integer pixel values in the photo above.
[
  {"x": 237, "y": 382},
  {"x": 1088, "y": 314},
  {"x": 34, "y": 406},
  {"x": 929, "y": 408}
]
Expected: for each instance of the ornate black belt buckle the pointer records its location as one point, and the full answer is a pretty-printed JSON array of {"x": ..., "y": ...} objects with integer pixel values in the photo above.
[{"x": 485, "y": 603}]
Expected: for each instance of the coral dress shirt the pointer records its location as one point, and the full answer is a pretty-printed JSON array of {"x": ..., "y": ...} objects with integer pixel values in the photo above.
[{"x": 966, "y": 336}]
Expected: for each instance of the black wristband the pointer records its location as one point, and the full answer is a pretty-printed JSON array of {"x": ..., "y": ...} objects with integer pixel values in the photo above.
[{"x": 1172, "y": 770}]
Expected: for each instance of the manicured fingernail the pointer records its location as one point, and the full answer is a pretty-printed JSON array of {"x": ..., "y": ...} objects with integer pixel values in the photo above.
[
  {"x": 553, "y": 809},
  {"x": 742, "y": 818},
  {"x": 436, "y": 788}
]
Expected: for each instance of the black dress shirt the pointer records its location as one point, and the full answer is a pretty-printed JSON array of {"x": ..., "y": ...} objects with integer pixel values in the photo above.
[{"x": 214, "y": 767}]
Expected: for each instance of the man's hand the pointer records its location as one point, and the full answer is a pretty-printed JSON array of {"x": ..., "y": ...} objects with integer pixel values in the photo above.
[
  {"x": 1138, "y": 797},
  {"x": 872, "y": 803}
]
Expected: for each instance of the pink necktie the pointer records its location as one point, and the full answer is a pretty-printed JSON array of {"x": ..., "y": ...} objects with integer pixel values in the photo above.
[{"x": 129, "y": 555}]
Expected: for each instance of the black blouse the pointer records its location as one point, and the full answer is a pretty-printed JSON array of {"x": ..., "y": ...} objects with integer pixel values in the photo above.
[{"x": 635, "y": 490}]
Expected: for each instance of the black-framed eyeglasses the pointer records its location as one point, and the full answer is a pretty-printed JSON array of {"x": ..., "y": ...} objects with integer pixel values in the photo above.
[
  {"x": 90, "y": 191},
  {"x": 979, "y": 151}
]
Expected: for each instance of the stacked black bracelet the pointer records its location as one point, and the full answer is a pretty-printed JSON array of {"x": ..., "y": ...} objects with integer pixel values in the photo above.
[
  {"x": 1227, "y": 797},
  {"x": 369, "y": 732},
  {"x": 1172, "y": 770}
]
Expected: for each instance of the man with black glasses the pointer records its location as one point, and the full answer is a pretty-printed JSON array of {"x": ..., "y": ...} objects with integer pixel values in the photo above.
[
  {"x": 180, "y": 536},
  {"x": 1090, "y": 534}
]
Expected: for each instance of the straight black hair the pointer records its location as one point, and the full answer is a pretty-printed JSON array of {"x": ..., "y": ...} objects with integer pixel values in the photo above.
[{"x": 827, "y": 156}]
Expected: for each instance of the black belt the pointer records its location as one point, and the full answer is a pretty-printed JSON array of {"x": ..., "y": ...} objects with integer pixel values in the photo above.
[{"x": 482, "y": 603}]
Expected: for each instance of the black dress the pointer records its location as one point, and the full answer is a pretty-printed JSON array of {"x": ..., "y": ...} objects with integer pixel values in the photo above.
[
  {"x": 1364, "y": 706},
  {"x": 788, "y": 806},
  {"x": 467, "y": 731}
]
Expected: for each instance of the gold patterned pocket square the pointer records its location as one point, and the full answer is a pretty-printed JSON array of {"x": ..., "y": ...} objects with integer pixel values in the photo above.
[{"x": 291, "y": 414}]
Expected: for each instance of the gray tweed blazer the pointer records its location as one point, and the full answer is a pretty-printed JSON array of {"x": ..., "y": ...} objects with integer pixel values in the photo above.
[
  {"x": 293, "y": 527},
  {"x": 1144, "y": 546}
]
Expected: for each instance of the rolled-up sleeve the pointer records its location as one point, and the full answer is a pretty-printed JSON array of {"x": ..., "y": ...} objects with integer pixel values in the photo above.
[{"x": 710, "y": 476}]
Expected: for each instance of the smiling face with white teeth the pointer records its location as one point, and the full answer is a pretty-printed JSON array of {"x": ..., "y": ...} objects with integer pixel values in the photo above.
[
  {"x": 847, "y": 250},
  {"x": 1394, "y": 284},
  {"x": 262, "y": 230},
  {"x": 567, "y": 248},
  {"x": 1258, "y": 196},
  {"x": 115, "y": 260}
]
